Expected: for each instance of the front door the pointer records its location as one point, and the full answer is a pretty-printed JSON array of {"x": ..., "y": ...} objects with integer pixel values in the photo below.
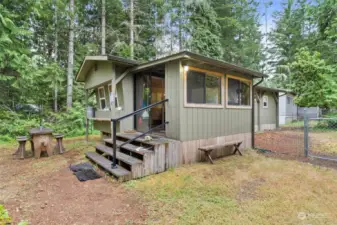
[{"x": 150, "y": 88}]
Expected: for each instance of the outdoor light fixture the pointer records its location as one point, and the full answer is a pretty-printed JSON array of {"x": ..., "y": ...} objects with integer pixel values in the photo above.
[{"x": 186, "y": 68}]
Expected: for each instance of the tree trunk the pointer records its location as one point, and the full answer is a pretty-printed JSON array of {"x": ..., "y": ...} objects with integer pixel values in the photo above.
[
  {"x": 103, "y": 27},
  {"x": 131, "y": 29},
  {"x": 180, "y": 25},
  {"x": 70, "y": 56},
  {"x": 55, "y": 58}
]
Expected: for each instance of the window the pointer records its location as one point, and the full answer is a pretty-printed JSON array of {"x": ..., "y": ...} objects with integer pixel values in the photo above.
[
  {"x": 203, "y": 88},
  {"x": 110, "y": 94},
  {"x": 265, "y": 102},
  {"x": 238, "y": 92},
  {"x": 101, "y": 96}
]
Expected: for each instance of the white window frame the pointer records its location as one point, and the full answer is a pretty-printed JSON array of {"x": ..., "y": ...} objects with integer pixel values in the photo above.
[
  {"x": 251, "y": 93},
  {"x": 211, "y": 73},
  {"x": 116, "y": 96},
  {"x": 265, "y": 97},
  {"x": 100, "y": 97}
]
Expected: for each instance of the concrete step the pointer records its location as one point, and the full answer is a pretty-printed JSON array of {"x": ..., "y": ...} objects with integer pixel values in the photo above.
[{"x": 120, "y": 173}]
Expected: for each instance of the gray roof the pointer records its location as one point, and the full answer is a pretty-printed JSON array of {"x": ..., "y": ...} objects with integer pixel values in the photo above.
[
  {"x": 271, "y": 89},
  {"x": 275, "y": 90},
  {"x": 89, "y": 61},
  {"x": 201, "y": 58}
]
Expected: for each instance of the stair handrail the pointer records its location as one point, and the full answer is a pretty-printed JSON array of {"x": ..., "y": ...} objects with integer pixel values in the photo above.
[{"x": 114, "y": 131}]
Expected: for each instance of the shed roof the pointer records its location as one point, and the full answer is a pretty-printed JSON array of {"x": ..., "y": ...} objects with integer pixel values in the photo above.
[{"x": 89, "y": 62}]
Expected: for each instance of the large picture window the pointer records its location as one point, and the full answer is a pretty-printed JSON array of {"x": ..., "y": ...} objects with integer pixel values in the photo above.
[
  {"x": 101, "y": 96},
  {"x": 238, "y": 92},
  {"x": 203, "y": 88}
]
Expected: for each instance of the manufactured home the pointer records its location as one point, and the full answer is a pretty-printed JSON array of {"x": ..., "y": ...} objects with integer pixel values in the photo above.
[
  {"x": 157, "y": 114},
  {"x": 289, "y": 111}
]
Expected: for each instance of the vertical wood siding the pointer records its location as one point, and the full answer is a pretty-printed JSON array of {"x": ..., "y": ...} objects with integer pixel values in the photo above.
[
  {"x": 198, "y": 123},
  {"x": 267, "y": 115},
  {"x": 173, "y": 92}
]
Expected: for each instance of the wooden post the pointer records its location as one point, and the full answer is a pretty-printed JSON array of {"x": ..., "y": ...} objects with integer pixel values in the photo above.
[
  {"x": 86, "y": 117},
  {"x": 113, "y": 115},
  {"x": 258, "y": 100},
  {"x": 306, "y": 134},
  {"x": 276, "y": 95},
  {"x": 113, "y": 94}
]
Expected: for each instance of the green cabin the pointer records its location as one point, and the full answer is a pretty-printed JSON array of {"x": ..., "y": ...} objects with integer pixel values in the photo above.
[{"x": 203, "y": 101}]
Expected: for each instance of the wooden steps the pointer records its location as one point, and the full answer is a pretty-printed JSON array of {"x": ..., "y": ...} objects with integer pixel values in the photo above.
[
  {"x": 130, "y": 147},
  {"x": 134, "y": 160},
  {"x": 120, "y": 173},
  {"x": 119, "y": 155}
]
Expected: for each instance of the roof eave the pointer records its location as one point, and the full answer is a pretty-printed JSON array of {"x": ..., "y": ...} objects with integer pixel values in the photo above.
[
  {"x": 83, "y": 71},
  {"x": 225, "y": 64}
]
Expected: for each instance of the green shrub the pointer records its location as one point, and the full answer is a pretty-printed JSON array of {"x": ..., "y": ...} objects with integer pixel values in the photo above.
[
  {"x": 71, "y": 123},
  {"x": 328, "y": 123},
  {"x": 332, "y": 122},
  {"x": 4, "y": 217}
]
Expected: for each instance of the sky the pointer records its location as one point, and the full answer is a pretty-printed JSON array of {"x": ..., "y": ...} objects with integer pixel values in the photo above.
[{"x": 275, "y": 6}]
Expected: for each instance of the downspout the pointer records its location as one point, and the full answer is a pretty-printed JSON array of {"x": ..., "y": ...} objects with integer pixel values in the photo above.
[{"x": 253, "y": 113}]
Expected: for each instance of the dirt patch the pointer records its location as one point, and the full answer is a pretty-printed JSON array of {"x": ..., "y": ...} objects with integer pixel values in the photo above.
[
  {"x": 45, "y": 191},
  {"x": 281, "y": 141},
  {"x": 288, "y": 144}
]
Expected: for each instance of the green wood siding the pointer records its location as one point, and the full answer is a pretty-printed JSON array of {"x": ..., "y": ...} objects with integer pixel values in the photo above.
[
  {"x": 173, "y": 91},
  {"x": 199, "y": 123},
  {"x": 101, "y": 75},
  {"x": 125, "y": 94},
  {"x": 267, "y": 115},
  {"x": 126, "y": 88}
]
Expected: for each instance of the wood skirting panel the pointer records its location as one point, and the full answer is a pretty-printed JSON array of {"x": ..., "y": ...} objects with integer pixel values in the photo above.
[{"x": 186, "y": 152}]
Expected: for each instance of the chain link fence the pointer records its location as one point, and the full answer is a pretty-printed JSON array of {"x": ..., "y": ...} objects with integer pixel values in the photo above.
[
  {"x": 300, "y": 137},
  {"x": 286, "y": 139},
  {"x": 321, "y": 138}
]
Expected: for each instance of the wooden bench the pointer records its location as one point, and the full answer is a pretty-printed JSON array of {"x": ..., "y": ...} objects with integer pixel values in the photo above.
[{"x": 208, "y": 149}]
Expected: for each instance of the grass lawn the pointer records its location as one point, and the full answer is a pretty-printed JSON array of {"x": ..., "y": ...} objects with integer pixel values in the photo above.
[
  {"x": 324, "y": 143},
  {"x": 251, "y": 189}
]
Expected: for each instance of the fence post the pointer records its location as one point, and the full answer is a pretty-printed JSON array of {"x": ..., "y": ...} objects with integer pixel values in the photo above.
[{"x": 306, "y": 134}]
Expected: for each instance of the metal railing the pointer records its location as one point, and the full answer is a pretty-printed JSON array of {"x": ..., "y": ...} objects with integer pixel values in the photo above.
[{"x": 114, "y": 131}]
